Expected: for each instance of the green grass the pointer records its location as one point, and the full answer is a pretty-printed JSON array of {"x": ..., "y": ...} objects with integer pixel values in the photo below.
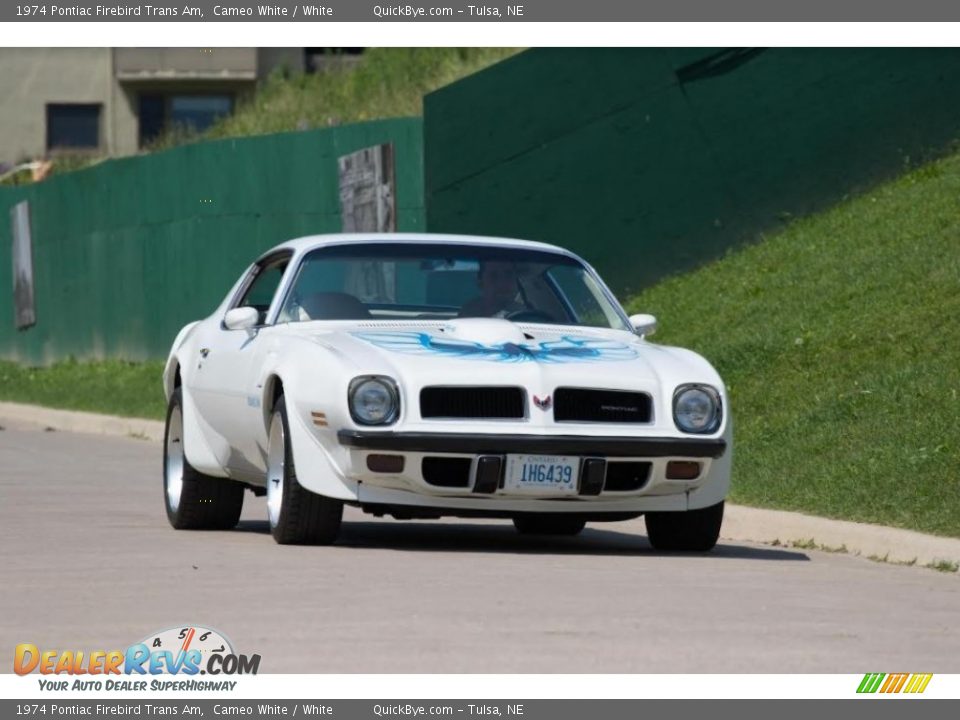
[
  {"x": 113, "y": 387},
  {"x": 839, "y": 339},
  {"x": 384, "y": 83}
]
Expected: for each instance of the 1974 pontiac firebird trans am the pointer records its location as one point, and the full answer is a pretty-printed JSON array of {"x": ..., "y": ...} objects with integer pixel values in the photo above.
[{"x": 428, "y": 375}]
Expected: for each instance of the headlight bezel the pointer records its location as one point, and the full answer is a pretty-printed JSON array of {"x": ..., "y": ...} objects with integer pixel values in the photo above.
[
  {"x": 715, "y": 397},
  {"x": 392, "y": 390}
]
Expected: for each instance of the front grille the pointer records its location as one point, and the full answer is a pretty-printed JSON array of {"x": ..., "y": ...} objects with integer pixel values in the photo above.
[
  {"x": 612, "y": 406},
  {"x": 446, "y": 471},
  {"x": 471, "y": 402},
  {"x": 626, "y": 476}
]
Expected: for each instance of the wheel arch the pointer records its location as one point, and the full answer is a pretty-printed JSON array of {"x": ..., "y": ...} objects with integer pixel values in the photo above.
[
  {"x": 272, "y": 390},
  {"x": 171, "y": 377}
]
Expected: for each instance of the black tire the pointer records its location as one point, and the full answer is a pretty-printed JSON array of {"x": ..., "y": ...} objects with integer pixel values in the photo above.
[
  {"x": 204, "y": 502},
  {"x": 548, "y": 524},
  {"x": 304, "y": 517},
  {"x": 690, "y": 531}
]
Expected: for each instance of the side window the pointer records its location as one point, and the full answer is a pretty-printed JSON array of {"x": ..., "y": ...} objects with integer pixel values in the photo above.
[
  {"x": 583, "y": 297},
  {"x": 259, "y": 294}
]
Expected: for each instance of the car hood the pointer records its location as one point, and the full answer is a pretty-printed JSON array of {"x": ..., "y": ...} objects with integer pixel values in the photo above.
[{"x": 483, "y": 351}]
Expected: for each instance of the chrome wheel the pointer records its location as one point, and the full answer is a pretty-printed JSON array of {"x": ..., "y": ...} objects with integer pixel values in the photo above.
[
  {"x": 173, "y": 468},
  {"x": 194, "y": 501},
  {"x": 276, "y": 469}
]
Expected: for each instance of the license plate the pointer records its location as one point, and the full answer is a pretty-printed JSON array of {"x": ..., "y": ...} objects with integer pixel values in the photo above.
[{"x": 541, "y": 474}]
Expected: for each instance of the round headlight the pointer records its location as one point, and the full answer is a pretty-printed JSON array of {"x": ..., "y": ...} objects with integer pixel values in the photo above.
[
  {"x": 696, "y": 409},
  {"x": 374, "y": 401}
]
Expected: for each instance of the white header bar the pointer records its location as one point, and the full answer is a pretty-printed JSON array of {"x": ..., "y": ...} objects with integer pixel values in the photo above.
[{"x": 479, "y": 34}]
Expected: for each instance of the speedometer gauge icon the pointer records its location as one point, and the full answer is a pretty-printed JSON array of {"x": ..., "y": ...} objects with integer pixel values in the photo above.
[{"x": 184, "y": 638}]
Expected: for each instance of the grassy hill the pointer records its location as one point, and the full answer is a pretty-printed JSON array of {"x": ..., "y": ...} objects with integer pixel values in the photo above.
[
  {"x": 839, "y": 338},
  {"x": 384, "y": 83}
]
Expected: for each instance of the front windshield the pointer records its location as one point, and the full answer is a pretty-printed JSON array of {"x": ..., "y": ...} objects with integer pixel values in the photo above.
[{"x": 426, "y": 281}]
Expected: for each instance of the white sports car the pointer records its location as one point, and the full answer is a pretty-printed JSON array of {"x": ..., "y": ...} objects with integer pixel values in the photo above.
[{"x": 427, "y": 375}]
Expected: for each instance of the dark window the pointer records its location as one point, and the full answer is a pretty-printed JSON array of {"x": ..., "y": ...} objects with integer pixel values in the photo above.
[
  {"x": 315, "y": 59},
  {"x": 73, "y": 126},
  {"x": 152, "y": 118},
  {"x": 259, "y": 294},
  {"x": 196, "y": 113}
]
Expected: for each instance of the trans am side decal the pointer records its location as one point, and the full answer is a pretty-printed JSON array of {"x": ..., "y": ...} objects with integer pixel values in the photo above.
[{"x": 567, "y": 349}]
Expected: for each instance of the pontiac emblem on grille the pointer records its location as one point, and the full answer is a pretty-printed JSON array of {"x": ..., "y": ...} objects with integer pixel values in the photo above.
[{"x": 543, "y": 404}]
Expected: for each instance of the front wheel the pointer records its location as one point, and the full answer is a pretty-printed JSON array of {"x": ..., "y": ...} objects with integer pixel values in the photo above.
[
  {"x": 194, "y": 501},
  {"x": 297, "y": 516},
  {"x": 548, "y": 524},
  {"x": 690, "y": 531}
]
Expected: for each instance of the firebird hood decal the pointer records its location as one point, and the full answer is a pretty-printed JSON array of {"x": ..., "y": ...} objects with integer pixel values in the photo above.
[{"x": 566, "y": 349}]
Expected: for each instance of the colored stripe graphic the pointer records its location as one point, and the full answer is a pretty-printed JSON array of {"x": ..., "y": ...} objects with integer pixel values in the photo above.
[{"x": 894, "y": 683}]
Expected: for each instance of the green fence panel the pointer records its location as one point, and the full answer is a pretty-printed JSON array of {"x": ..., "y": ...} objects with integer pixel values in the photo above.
[
  {"x": 649, "y": 162},
  {"x": 127, "y": 252},
  {"x": 528, "y": 100}
]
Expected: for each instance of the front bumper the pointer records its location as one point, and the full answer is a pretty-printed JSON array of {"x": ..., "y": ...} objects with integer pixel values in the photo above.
[
  {"x": 492, "y": 443},
  {"x": 615, "y": 474}
]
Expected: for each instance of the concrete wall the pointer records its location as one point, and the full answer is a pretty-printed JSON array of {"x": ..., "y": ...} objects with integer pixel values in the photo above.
[
  {"x": 32, "y": 77},
  {"x": 269, "y": 59}
]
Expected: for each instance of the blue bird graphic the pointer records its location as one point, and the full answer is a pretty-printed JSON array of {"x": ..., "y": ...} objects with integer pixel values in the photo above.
[{"x": 564, "y": 350}]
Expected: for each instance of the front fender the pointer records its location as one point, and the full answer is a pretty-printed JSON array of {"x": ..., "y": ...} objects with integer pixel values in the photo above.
[
  {"x": 196, "y": 432},
  {"x": 313, "y": 380},
  {"x": 716, "y": 487}
]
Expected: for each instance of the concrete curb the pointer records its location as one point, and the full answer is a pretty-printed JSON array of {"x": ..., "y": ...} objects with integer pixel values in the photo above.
[
  {"x": 740, "y": 523},
  {"x": 81, "y": 422},
  {"x": 870, "y": 541}
]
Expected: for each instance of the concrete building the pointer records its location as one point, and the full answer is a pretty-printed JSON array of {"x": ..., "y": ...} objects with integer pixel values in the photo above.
[{"x": 107, "y": 101}]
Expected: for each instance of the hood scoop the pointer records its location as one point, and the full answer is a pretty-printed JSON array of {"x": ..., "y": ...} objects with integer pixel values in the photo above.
[{"x": 487, "y": 331}]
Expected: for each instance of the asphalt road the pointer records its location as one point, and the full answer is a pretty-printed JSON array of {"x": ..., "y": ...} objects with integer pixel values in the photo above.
[{"x": 89, "y": 562}]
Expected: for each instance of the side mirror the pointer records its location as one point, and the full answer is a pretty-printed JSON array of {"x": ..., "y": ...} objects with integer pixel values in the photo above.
[
  {"x": 643, "y": 324},
  {"x": 241, "y": 318}
]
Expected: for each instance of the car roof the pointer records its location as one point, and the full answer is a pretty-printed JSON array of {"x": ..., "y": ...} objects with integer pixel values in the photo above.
[{"x": 311, "y": 242}]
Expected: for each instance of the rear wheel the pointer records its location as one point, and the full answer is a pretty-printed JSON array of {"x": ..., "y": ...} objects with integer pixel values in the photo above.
[
  {"x": 297, "y": 516},
  {"x": 690, "y": 531},
  {"x": 548, "y": 524},
  {"x": 194, "y": 501}
]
